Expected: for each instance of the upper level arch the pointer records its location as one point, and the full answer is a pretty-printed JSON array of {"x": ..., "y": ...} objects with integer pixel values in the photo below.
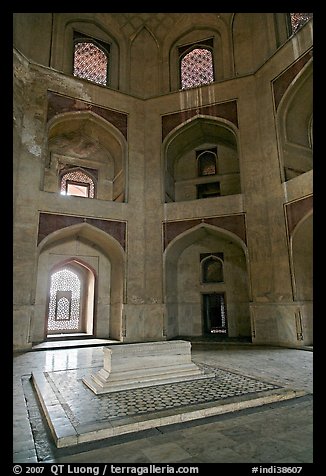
[
  {"x": 184, "y": 147},
  {"x": 213, "y": 39},
  {"x": 85, "y": 140},
  {"x": 65, "y": 29}
]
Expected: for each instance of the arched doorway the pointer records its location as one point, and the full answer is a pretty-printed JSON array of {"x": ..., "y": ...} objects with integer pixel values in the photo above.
[
  {"x": 206, "y": 284},
  {"x": 71, "y": 300},
  {"x": 214, "y": 305},
  {"x": 95, "y": 257}
]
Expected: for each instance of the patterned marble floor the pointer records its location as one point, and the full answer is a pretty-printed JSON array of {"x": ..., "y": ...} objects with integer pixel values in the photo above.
[
  {"x": 64, "y": 398},
  {"x": 278, "y": 431},
  {"x": 75, "y": 397}
]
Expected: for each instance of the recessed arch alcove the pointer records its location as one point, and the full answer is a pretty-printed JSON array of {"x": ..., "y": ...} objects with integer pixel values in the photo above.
[
  {"x": 83, "y": 139},
  {"x": 83, "y": 247},
  {"x": 181, "y": 151},
  {"x": 144, "y": 69},
  {"x": 185, "y": 289},
  {"x": 294, "y": 125}
]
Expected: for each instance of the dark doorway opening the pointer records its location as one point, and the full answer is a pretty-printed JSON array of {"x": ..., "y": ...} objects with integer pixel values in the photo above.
[{"x": 214, "y": 314}]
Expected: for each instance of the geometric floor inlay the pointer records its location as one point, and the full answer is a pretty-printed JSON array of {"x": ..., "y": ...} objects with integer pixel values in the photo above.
[
  {"x": 75, "y": 414},
  {"x": 69, "y": 389}
]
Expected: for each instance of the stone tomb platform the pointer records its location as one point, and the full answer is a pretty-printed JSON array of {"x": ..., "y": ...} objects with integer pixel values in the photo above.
[
  {"x": 76, "y": 415},
  {"x": 129, "y": 366}
]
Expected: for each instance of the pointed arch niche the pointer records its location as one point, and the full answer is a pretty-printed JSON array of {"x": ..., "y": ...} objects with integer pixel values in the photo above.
[
  {"x": 185, "y": 288},
  {"x": 294, "y": 126},
  {"x": 83, "y": 140},
  {"x": 144, "y": 67},
  {"x": 251, "y": 51},
  {"x": 91, "y": 257},
  {"x": 183, "y": 150}
]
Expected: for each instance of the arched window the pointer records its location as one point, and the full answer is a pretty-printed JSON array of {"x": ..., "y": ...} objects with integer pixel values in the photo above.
[
  {"x": 298, "y": 20},
  {"x": 77, "y": 182},
  {"x": 91, "y": 59},
  {"x": 196, "y": 65},
  {"x": 65, "y": 302},
  {"x": 206, "y": 163},
  {"x": 212, "y": 270}
]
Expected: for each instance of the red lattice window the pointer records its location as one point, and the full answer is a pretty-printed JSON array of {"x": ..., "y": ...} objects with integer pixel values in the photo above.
[
  {"x": 90, "y": 62},
  {"x": 196, "y": 68},
  {"x": 77, "y": 183},
  {"x": 298, "y": 20}
]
